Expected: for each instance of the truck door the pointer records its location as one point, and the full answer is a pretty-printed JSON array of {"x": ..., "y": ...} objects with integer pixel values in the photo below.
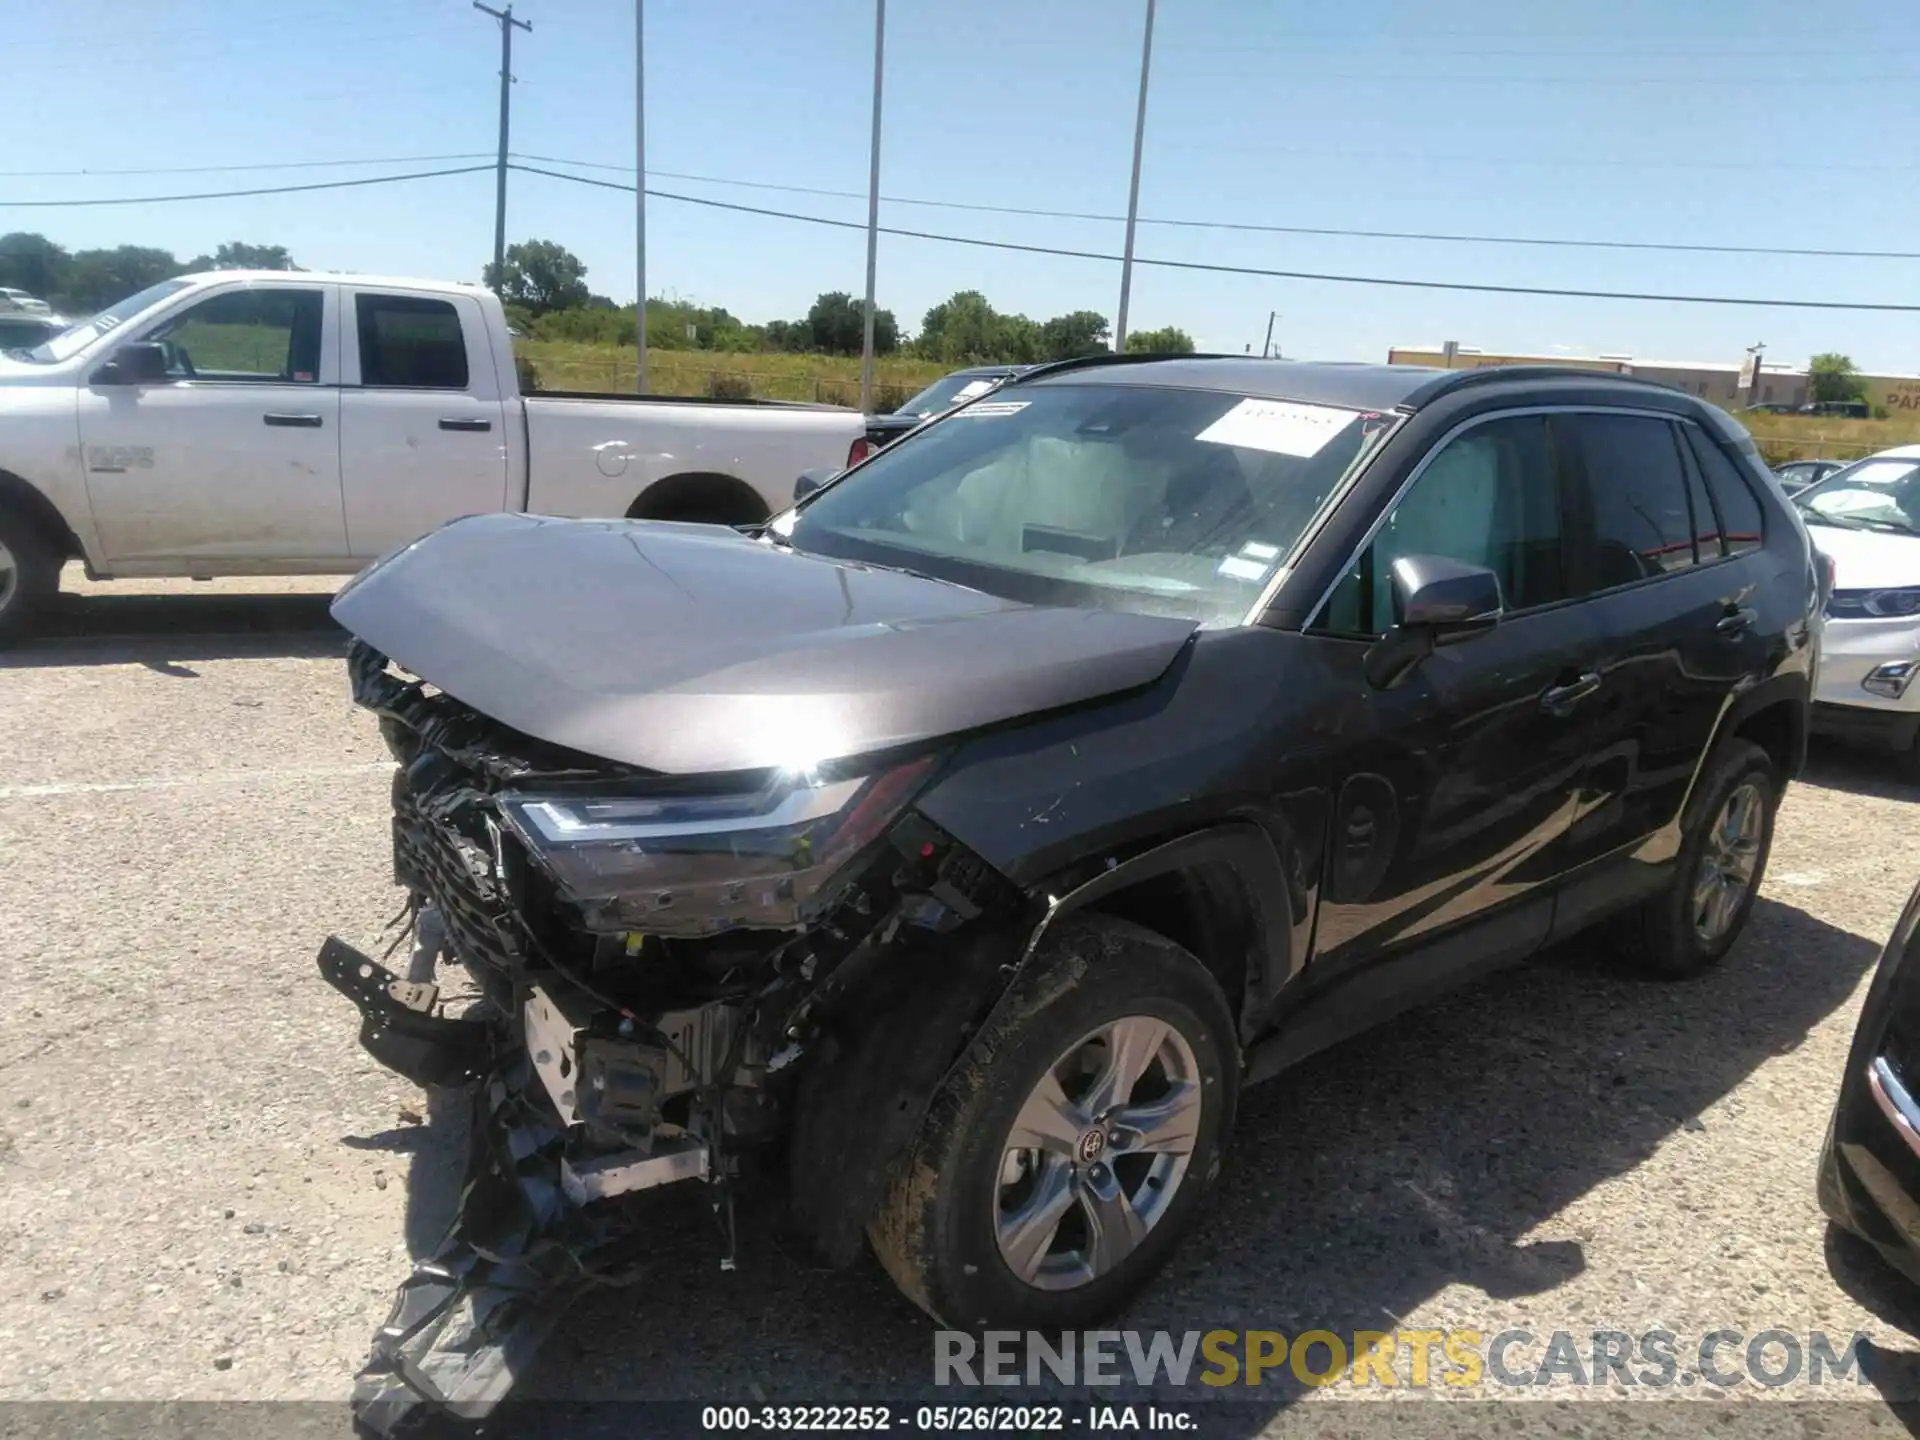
[
  {"x": 422, "y": 418},
  {"x": 236, "y": 453}
]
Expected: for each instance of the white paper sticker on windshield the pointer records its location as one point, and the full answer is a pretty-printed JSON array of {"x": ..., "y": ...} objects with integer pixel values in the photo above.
[
  {"x": 1254, "y": 550},
  {"x": 1240, "y": 569},
  {"x": 991, "y": 407},
  {"x": 1283, "y": 427},
  {"x": 971, "y": 389}
]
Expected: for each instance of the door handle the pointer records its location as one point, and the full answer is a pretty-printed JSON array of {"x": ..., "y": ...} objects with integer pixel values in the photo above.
[
  {"x": 1560, "y": 699},
  {"x": 452, "y": 423},
  {"x": 295, "y": 422},
  {"x": 1735, "y": 622}
]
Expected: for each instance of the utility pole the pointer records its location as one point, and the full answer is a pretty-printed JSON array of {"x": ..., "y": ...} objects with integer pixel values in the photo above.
[
  {"x": 507, "y": 26},
  {"x": 1266, "y": 348},
  {"x": 1133, "y": 194},
  {"x": 873, "y": 206},
  {"x": 640, "y": 187}
]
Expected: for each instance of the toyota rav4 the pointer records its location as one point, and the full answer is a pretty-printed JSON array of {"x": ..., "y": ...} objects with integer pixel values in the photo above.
[{"x": 953, "y": 849}]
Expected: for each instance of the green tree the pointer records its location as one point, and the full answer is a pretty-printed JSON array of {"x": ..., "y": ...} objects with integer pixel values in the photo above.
[
  {"x": 1019, "y": 340},
  {"x": 97, "y": 278},
  {"x": 542, "y": 276},
  {"x": 1834, "y": 378},
  {"x": 1067, "y": 337},
  {"x": 836, "y": 325},
  {"x": 238, "y": 255},
  {"x": 32, "y": 263},
  {"x": 1171, "y": 340},
  {"x": 960, "y": 329}
]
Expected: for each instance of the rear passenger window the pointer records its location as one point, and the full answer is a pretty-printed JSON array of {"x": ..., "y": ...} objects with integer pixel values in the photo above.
[
  {"x": 410, "y": 342},
  {"x": 1739, "y": 511},
  {"x": 1638, "y": 492},
  {"x": 1488, "y": 497}
]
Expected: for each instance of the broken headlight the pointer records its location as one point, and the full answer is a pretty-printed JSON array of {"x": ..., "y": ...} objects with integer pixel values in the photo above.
[{"x": 697, "y": 864}]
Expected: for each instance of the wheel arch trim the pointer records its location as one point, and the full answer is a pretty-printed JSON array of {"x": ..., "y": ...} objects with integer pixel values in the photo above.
[{"x": 1277, "y": 948}]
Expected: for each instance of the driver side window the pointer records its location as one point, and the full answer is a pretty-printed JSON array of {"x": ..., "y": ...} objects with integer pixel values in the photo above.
[
  {"x": 1489, "y": 497},
  {"x": 270, "y": 336}
]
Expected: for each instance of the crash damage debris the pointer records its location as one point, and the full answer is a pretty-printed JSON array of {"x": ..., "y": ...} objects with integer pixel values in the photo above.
[{"x": 631, "y": 1038}]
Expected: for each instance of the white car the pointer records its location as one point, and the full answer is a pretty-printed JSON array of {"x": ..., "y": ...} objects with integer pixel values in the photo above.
[
  {"x": 276, "y": 423},
  {"x": 21, "y": 301},
  {"x": 1866, "y": 519}
]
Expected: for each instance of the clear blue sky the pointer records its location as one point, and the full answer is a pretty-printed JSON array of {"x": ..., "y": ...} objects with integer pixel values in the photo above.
[{"x": 1701, "y": 121}]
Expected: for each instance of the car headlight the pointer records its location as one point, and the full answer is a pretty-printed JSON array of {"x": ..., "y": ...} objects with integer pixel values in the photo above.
[
  {"x": 698, "y": 864},
  {"x": 1879, "y": 604},
  {"x": 1889, "y": 603}
]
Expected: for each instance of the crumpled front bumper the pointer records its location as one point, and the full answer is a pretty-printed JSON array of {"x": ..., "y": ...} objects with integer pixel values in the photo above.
[{"x": 466, "y": 1323}]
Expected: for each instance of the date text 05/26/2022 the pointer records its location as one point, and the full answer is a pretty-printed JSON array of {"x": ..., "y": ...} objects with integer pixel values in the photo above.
[{"x": 988, "y": 1419}]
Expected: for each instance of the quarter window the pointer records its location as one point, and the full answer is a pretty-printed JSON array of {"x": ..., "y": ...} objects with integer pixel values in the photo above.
[
  {"x": 1638, "y": 491},
  {"x": 1488, "y": 497},
  {"x": 1739, "y": 511},
  {"x": 410, "y": 342},
  {"x": 264, "y": 336}
]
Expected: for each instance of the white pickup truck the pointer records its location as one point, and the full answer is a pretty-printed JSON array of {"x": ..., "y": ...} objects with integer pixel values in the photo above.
[{"x": 271, "y": 423}]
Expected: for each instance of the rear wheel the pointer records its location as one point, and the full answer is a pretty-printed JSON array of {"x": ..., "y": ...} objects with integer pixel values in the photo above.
[
  {"x": 1690, "y": 926},
  {"x": 1075, "y": 1143},
  {"x": 29, "y": 575}
]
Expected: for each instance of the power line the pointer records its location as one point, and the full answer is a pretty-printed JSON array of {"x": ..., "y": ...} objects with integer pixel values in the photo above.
[
  {"x": 1221, "y": 269},
  {"x": 228, "y": 169},
  {"x": 1248, "y": 227},
  {"x": 1441, "y": 237},
  {"x": 236, "y": 194}
]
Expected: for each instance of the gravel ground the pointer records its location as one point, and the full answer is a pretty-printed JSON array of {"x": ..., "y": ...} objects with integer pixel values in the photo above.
[{"x": 208, "y": 1192}]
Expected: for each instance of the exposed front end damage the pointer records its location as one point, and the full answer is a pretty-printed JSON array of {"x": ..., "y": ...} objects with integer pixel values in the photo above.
[{"x": 670, "y": 974}]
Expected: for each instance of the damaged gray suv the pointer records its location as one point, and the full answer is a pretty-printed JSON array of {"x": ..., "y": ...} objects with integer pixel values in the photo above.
[{"x": 951, "y": 850}]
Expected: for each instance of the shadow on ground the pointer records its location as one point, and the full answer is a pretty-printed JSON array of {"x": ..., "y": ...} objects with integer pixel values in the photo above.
[
  {"x": 164, "y": 632},
  {"x": 1857, "y": 771},
  {"x": 1361, "y": 1184}
]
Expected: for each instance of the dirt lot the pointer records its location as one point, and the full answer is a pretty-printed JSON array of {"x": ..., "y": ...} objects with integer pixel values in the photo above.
[{"x": 207, "y": 1191}]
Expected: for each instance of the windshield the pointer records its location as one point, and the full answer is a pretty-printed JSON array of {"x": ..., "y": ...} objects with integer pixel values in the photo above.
[
  {"x": 72, "y": 342},
  {"x": 947, "y": 392},
  {"x": 1876, "y": 494},
  {"x": 1173, "y": 502}
]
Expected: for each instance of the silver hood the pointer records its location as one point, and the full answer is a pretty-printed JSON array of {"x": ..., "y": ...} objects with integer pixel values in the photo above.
[{"x": 688, "y": 649}]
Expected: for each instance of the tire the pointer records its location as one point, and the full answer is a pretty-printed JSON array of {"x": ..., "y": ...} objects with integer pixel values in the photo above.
[
  {"x": 29, "y": 576},
  {"x": 962, "y": 1188},
  {"x": 1674, "y": 935}
]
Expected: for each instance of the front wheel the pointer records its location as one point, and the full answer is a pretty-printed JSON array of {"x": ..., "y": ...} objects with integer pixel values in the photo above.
[
  {"x": 1687, "y": 928},
  {"x": 29, "y": 576},
  {"x": 1075, "y": 1142}
]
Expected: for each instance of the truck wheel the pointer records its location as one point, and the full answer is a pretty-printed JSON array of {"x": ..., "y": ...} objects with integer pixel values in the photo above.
[
  {"x": 1075, "y": 1140},
  {"x": 29, "y": 575},
  {"x": 1689, "y": 926}
]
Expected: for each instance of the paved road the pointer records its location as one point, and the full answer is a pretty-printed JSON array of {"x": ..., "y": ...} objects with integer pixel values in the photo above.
[{"x": 206, "y": 1191}]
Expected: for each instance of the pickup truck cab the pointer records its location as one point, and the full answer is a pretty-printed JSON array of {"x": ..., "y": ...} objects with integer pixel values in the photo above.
[{"x": 275, "y": 422}]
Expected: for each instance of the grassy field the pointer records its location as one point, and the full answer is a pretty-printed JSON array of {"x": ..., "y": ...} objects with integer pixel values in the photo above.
[
  {"x": 828, "y": 379},
  {"x": 1813, "y": 437}
]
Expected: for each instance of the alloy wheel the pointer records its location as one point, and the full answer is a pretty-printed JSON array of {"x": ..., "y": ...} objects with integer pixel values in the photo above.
[
  {"x": 9, "y": 576},
  {"x": 1728, "y": 862},
  {"x": 1097, "y": 1153}
]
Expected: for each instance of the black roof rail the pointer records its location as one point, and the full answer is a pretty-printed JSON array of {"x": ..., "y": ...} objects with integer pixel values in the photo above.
[
  {"x": 1089, "y": 362},
  {"x": 1492, "y": 374}
]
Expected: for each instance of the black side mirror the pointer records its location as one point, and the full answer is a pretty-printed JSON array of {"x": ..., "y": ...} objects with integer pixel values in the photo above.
[
  {"x": 144, "y": 362},
  {"x": 1438, "y": 602},
  {"x": 810, "y": 481}
]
